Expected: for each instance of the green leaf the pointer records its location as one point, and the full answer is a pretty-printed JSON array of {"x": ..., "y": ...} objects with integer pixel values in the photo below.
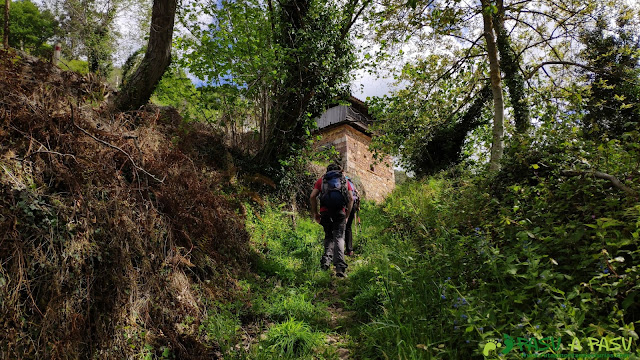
[{"x": 166, "y": 352}]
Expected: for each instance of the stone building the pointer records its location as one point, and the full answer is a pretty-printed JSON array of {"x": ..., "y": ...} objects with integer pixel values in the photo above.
[{"x": 347, "y": 129}]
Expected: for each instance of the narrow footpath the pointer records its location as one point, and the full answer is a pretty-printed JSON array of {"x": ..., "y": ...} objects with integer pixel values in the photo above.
[{"x": 290, "y": 291}]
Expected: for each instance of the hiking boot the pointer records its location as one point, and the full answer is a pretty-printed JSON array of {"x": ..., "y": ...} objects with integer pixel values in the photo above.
[
  {"x": 341, "y": 274},
  {"x": 350, "y": 253}
]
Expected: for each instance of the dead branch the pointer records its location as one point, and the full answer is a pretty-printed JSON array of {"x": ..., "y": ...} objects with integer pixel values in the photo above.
[
  {"x": 600, "y": 175},
  {"x": 49, "y": 152},
  {"x": 114, "y": 147}
]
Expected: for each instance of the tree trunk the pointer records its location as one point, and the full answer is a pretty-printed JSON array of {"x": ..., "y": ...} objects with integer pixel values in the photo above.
[
  {"x": 308, "y": 78},
  {"x": 445, "y": 146},
  {"x": 287, "y": 125},
  {"x": 513, "y": 77},
  {"x": 7, "y": 4},
  {"x": 497, "y": 146},
  {"x": 137, "y": 91},
  {"x": 264, "y": 118}
]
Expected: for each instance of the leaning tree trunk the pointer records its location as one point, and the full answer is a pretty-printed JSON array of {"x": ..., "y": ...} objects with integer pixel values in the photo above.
[
  {"x": 445, "y": 147},
  {"x": 497, "y": 146},
  {"x": 7, "y": 4},
  {"x": 138, "y": 88}
]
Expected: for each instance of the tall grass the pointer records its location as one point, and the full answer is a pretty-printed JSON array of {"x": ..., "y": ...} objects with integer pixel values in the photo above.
[{"x": 395, "y": 286}]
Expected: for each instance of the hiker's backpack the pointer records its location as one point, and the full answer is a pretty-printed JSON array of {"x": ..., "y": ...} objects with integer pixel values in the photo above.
[
  {"x": 333, "y": 194},
  {"x": 356, "y": 197}
]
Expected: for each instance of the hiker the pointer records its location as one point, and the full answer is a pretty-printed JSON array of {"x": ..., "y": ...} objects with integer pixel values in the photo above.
[
  {"x": 336, "y": 201},
  {"x": 348, "y": 233}
]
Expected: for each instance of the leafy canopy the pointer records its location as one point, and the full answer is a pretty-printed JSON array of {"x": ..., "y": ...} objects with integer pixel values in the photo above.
[
  {"x": 29, "y": 27},
  {"x": 612, "y": 104}
]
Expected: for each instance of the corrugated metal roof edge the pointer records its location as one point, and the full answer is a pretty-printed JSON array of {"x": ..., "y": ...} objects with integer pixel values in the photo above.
[{"x": 363, "y": 128}]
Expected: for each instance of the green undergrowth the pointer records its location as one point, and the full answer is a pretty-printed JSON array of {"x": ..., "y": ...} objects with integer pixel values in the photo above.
[
  {"x": 445, "y": 267},
  {"x": 455, "y": 265},
  {"x": 452, "y": 263},
  {"x": 285, "y": 310},
  {"x": 290, "y": 291}
]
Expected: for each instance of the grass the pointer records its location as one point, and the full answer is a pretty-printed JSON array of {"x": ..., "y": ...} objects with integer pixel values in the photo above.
[
  {"x": 291, "y": 339},
  {"x": 222, "y": 325},
  {"x": 385, "y": 301},
  {"x": 390, "y": 296},
  {"x": 297, "y": 303},
  {"x": 439, "y": 273},
  {"x": 385, "y": 304},
  {"x": 289, "y": 297}
]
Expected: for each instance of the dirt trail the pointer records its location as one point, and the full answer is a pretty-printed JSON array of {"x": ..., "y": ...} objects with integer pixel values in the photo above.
[{"x": 340, "y": 322}]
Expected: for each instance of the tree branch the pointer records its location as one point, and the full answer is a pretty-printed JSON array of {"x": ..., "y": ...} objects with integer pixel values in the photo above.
[
  {"x": 542, "y": 36},
  {"x": 571, "y": 63},
  {"x": 460, "y": 60},
  {"x": 353, "y": 18},
  {"x": 604, "y": 176},
  {"x": 49, "y": 152}
]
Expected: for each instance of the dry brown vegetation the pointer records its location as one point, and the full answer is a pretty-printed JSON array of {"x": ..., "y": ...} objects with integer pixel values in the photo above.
[{"x": 114, "y": 227}]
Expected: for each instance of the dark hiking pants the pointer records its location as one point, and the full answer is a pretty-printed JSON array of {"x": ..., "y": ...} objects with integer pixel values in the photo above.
[
  {"x": 348, "y": 234},
  {"x": 334, "y": 226}
]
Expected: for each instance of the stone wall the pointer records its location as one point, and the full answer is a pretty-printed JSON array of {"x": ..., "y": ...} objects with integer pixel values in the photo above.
[
  {"x": 337, "y": 137},
  {"x": 374, "y": 180}
]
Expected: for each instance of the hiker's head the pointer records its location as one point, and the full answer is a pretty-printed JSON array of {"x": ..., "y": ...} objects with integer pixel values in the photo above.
[{"x": 333, "y": 167}]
